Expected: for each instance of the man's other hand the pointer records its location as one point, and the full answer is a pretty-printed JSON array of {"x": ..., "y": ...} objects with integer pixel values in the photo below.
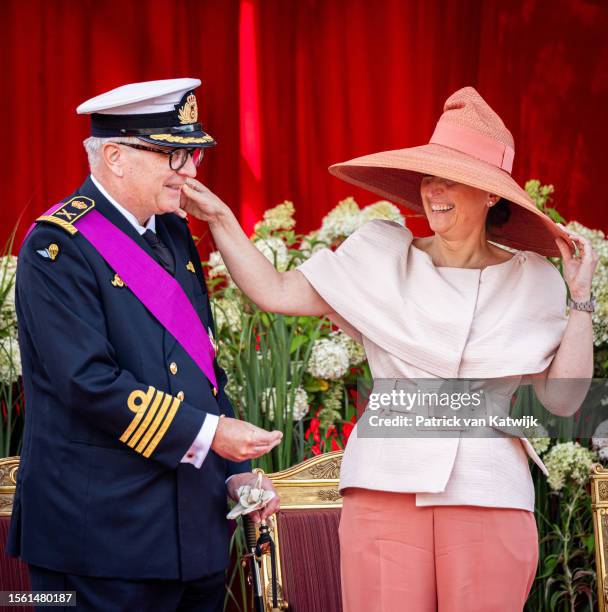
[
  {"x": 249, "y": 478},
  {"x": 238, "y": 440}
]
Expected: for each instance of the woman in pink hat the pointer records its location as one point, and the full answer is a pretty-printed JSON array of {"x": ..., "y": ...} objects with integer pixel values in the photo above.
[{"x": 441, "y": 522}]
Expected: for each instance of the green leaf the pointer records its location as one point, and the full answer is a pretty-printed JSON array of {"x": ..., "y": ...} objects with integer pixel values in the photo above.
[
  {"x": 297, "y": 342},
  {"x": 589, "y": 542}
]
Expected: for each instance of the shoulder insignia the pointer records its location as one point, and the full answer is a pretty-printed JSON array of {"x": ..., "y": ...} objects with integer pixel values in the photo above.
[
  {"x": 50, "y": 252},
  {"x": 190, "y": 267},
  {"x": 67, "y": 214}
]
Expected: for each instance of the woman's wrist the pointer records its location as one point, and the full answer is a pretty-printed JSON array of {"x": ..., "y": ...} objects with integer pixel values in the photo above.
[
  {"x": 581, "y": 296},
  {"x": 223, "y": 219}
]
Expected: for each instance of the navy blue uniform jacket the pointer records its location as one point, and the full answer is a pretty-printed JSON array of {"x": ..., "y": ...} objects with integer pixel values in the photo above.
[{"x": 87, "y": 503}]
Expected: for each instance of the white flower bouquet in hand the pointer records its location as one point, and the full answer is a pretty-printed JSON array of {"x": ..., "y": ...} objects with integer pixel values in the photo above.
[{"x": 251, "y": 498}]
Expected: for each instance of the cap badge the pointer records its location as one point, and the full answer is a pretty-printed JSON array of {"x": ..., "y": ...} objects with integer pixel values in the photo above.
[{"x": 188, "y": 112}]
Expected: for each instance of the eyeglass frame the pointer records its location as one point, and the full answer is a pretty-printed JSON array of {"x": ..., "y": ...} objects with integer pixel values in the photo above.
[{"x": 190, "y": 152}]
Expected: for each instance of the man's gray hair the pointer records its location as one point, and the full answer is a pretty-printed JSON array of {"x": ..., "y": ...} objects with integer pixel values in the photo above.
[{"x": 94, "y": 144}]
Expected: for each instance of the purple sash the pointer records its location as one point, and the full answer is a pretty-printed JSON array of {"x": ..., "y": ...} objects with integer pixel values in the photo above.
[{"x": 155, "y": 288}]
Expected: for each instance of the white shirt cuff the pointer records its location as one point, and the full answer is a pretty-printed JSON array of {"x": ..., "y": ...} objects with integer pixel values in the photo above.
[{"x": 202, "y": 443}]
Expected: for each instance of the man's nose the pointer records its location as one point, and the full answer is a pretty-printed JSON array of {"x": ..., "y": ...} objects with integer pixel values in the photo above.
[{"x": 188, "y": 169}]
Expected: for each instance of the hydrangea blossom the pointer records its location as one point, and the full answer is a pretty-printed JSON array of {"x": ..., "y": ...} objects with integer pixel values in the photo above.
[
  {"x": 300, "y": 403},
  {"x": 328, "y": 359},
  {"x": 275, "y": 251},
  {"x": 538, "y": 438},
  {"x": 568, "y": 461},
  {"x": 599, "y": 440},
  {"x": 217, "y": 267},
  {"x": 226, "y": 313},
  {"x": 356, "y": 352},
  {"x": 341, "y": 222},
  {"x": 280, "y": 217},
  {"x": 8, "y": 271},
  {"x": 10, "y": 360},
  {"x": 382, "y": 210}
]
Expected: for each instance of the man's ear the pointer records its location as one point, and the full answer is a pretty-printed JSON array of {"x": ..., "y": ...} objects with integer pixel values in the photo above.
[{"x": 113, "y": 158}]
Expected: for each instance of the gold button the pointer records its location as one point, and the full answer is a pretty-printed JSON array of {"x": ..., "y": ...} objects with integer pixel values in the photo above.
[
  {"x": 214, "y": 390},
  {"x": 173, "y": 368},
  {"x": 180, "y": 396}
]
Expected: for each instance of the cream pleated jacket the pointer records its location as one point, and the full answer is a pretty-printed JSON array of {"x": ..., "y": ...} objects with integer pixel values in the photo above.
[{"x": 418, "y": 320}]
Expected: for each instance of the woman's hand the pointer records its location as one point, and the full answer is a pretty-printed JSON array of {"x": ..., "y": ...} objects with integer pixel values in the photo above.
[
  {"x": 201, "y": 202},
  {"x": 578, "y": 269}
]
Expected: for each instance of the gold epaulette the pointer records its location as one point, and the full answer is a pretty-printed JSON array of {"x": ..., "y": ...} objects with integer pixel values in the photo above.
[{"x": 67, "y": 214}]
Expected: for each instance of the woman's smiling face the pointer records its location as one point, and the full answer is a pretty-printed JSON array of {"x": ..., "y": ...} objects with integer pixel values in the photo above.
[{"x": 452, "y": 208}]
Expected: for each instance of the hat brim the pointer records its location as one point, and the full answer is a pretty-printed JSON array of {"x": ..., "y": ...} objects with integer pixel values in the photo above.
[
  {"x": 396, "y": 176},
  {"x": 196, "y": 140}
]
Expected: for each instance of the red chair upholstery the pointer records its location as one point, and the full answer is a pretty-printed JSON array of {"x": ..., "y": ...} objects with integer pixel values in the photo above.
[
  {"x": 306, "y": 537},
  {"x": 310, "y": 559},
  {"x": 13, "y": 572}
]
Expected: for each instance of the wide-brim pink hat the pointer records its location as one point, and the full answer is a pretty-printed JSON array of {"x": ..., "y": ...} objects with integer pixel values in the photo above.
[{"x": 470, "y": 145}]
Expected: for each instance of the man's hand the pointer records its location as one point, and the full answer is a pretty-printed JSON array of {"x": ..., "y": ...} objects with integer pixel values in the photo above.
[
  {"x": 238, "y": 440},
  {"x": 249, "y": 478}
]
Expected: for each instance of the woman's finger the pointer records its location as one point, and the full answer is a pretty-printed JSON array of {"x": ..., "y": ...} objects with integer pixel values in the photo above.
[
  {"x": 194, "y": 184},
  {"x": 564, "y": 249}
]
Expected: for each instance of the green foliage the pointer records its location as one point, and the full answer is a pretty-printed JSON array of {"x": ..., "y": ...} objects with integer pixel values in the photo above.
[{"x": 11, "y": 388}]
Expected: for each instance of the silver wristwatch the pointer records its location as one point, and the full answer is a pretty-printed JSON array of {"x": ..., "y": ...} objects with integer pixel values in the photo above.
[{"x": 588, "y": 306}]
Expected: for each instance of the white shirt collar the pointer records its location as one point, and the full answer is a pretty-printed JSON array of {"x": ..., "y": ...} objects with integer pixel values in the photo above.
[{"x": 130, "y": 217}]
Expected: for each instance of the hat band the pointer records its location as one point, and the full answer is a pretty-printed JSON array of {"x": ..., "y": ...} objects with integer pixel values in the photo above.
[
  {"x": 475, "y": 144},
  {"x": 178, "y": 129}
]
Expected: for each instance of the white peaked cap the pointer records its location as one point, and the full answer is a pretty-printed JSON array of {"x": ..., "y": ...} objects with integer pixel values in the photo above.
[
  {"x": 164, "y": 113},
  {"x": 139, "y": 98}
]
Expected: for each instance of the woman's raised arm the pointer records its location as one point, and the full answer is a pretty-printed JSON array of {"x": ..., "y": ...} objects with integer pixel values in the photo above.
[{"x": 287, "y": 293}]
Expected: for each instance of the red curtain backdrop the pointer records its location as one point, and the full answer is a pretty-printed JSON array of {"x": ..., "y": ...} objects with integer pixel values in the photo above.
[{"x": 290, "y": 87}]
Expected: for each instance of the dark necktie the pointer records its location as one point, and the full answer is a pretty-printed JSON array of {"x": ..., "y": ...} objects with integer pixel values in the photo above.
[{"x": 161, "y": 253}]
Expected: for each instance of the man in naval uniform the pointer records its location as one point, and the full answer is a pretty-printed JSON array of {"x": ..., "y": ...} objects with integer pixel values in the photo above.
[{"x": 130, "y": 445}]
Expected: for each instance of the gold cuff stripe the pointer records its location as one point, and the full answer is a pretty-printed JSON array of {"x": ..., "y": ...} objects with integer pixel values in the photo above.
[
  {"x": 155, "y": 425},
  {"x": 68, "y": 227},
  {"x": 139, "y": 410},
  {"x": 161, "y": 432},
  {"x": 150, "y": 412}
]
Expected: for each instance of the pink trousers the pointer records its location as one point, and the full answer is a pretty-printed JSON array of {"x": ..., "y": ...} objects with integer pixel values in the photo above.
[{"x": 399, "y": 557}]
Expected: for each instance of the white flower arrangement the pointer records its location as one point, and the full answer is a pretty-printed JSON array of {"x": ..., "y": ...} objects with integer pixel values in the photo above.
[
  {"x": 226, "y": 313},
  {"x": 346, "y": 218},
  {"x": 538, "y": 438},
  {"x": 10, "y": 360},
  {"x": 355, "y": 350},
  {"x": 275, "y": 251},
  {"x": 280, "y": 217},
  {"x": 382, "y": 210},
  {"x": 300, "y": 403},
  {"x": 599, "y": 440},
  {"x": 340, "y": 222},
  {"x": 216, "y": 265},
  {"x": 568, "y": 461},
  {"x": 328, "y": 359}
]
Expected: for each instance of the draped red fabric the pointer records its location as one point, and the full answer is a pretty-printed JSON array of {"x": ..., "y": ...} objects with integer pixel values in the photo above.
[{"x": 291, "y": 87}]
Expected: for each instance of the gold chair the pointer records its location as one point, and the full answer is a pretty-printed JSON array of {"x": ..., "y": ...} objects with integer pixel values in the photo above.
[
  {"x": 305, "y": 533},
  {"x": 599, "y": 508},
  {"x": 8, "y": 481},
  {"x": 13, "y": 572}
]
